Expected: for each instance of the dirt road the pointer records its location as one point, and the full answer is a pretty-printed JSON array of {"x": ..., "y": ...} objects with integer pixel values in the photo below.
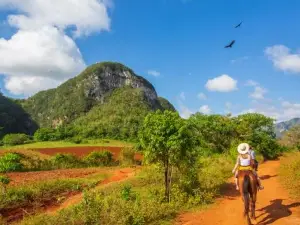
[
  {"x": 119, "y": 175},
  {"x": 273, "y": 205}
]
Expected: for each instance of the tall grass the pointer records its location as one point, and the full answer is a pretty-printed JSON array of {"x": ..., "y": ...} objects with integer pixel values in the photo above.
[
  {"x": 290, "y": 173},
  {"x": 57, "y": 144},
  {"x": 141, "y": 200},
  {"x": 39, "y": 192}
]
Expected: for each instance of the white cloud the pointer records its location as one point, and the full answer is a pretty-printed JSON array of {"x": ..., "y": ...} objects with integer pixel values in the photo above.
[
  {"x": 283, "y": 59},
  {"x": 223, "y": 83},
  {"x": 251, "y": 83},
  {"x": 85, "y": 17},
  {"x": 184, "y": 111},
  {"x": 46, "y": 52},
  {"x": 202, "y": 96},
  {"x": 182, "y": 96},
  {"x": 258, "y": 93},
  {"x": 27, "y": 85},
  {"x": 40, "y": 55},
  {"x": 153, "y": 73},
  {"x": 285, "y": 111},
  {"x": 205, "y": 109}
]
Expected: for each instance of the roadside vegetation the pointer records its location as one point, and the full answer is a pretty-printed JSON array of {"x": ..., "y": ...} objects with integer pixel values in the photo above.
[
  {"x": 290, "y": 165},
  {"x": 186, "y": 162}
]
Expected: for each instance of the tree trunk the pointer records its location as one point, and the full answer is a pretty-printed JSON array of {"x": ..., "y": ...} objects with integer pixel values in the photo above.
[
  {"x": 170, "y": 183},
  {"x": 167, "y": 180}
]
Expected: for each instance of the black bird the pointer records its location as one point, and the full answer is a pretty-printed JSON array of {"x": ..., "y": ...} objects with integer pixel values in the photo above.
[
  {"x": 239, "y": 24},
  {"x": 230, "y": 45}
]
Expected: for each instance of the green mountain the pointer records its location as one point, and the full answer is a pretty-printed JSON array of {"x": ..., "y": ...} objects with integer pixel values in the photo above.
[
  {"x": 13, "y": 118},
  {"x": 106, "y": 99},
  {"x": 281, "y": 127}
]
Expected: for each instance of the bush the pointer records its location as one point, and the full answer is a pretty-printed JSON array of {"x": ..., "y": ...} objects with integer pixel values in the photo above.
[
  {"x": 4, "y": 180},
  {"x": 46, "y": 134},
  {"x": 126, "y": 157},
  {"x": 64, "y": 161},
  {"x": 16, "y": 139},
  {"x": 99, "y": 158},
  {"x": 11, "y": 162}
]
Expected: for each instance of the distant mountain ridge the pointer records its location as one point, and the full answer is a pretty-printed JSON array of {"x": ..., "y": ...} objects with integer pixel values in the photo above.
[{"x": 281, "y": 127}]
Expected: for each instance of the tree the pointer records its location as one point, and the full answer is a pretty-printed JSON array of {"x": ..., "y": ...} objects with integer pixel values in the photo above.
[
  {"x": 168, "y": 140},
  {"x": 291, "y": 138},
  {"x": 214, "y": 132}
]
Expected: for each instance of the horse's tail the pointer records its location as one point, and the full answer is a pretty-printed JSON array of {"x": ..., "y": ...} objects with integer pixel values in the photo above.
[{"x": 246, "y": 193}]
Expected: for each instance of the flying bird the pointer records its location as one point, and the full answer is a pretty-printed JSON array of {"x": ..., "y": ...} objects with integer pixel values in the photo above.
[
  {"x": 230, "y": 45},
  {"x": 239, "y": 24}
]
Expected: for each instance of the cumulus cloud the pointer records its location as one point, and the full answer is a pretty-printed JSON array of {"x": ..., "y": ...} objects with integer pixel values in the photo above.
[
  {"x": 223, "y": 83},
  {"x": 202, "y": 96},
  {"x": 285, "y": 111},
  {"x": 258, "y": 93},
  {"x": 184, "y": 111},
  {"x": 205, "y": 109},
  {"x": 40, "y": 55},
  {"x": 283, "y": 59},
  {"x": 153, "y": 73},
  {"x": 83, "y": 17}
]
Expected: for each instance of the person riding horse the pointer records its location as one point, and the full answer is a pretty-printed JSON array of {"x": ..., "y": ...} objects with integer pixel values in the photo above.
[{"x": 246, "y": 161}]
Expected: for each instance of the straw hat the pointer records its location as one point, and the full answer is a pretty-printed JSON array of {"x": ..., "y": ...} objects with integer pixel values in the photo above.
[{"x": 243, "y": 148}]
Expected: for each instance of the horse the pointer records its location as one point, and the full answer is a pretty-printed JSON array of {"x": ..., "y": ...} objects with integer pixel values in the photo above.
[{"x": 248, "y": 190}]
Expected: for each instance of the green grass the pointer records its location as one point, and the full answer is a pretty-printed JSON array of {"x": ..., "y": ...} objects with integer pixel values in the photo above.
[
  {"x": 290, "y": 173},
  {"x": 39, "y": 192},
  {"x": 139, "y": 200},
  {"x": 58, "y": 144}
]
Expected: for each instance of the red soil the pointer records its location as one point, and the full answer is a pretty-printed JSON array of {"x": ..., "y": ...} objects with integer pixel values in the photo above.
[
  {"x": 85, "y": 150},
  {"x": 119, "y": 175},
  {"x": 21, "y": 178}
]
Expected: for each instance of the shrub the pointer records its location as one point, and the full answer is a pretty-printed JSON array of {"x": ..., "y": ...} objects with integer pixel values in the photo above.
[
  {"x": 99, "y": 158},
  {"x": 46, "y": 134},
  {"x": 65, "y": 161},
  {"x": 4, "y": 180},
  {"x": 126, "y": 157},
  {"x": 11, "y": 162},
  {"x": 16, "y": 139}
]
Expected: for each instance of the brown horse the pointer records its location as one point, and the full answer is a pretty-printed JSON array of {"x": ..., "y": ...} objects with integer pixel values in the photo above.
[{"x": 248, "y": 190}]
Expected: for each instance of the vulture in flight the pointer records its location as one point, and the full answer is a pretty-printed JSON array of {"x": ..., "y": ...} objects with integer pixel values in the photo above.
[
  {"x": 238, "y": 25},
  {"x": 230, "y": 45}
]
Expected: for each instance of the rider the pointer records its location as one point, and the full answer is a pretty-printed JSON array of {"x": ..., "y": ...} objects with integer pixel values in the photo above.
[{"x": 243, "y": 162}]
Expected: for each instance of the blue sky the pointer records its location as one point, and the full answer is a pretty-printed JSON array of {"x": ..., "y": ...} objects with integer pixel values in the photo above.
[{"x": 181, "y": 40}]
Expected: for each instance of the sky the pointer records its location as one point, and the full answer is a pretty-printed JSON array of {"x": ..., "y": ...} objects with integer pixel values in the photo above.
[{"x": 178, "y": 45}]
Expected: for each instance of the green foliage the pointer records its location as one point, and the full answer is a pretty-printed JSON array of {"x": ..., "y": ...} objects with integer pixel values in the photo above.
[
  {"x": 13, "y": 118},
  {"x": 65, "y": 161},
  {"x": 289, "y": 173},
  {"x": 222, "y": 134},
  {"x": 79, "y": 95},
  {"x": 291, "y": 138},
  {"x": 11, "y": 162},
  {"x": 16, "y": 139},
  {"x": 168, "y": 140},
  {"x": 141, "y": 200},
  {"x": 127, "y": 193},
  {"x": 46, "y": 134},
  {"x": 4, "y": 180},
  {"x": 99, "y": 158},
  {"x": 126, "y": 157}
]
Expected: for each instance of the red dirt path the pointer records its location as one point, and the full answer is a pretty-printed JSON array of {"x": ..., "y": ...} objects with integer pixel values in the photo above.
[
  {"x": 119, "y": 175},
  {"x": 21, "y": 178},
  {"x": 274, "y": 206},
  {"x": 84, "y": 150}
]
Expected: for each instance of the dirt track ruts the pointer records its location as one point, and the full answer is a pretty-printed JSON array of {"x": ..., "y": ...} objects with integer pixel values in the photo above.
[{"x": 274, "y": 206}]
